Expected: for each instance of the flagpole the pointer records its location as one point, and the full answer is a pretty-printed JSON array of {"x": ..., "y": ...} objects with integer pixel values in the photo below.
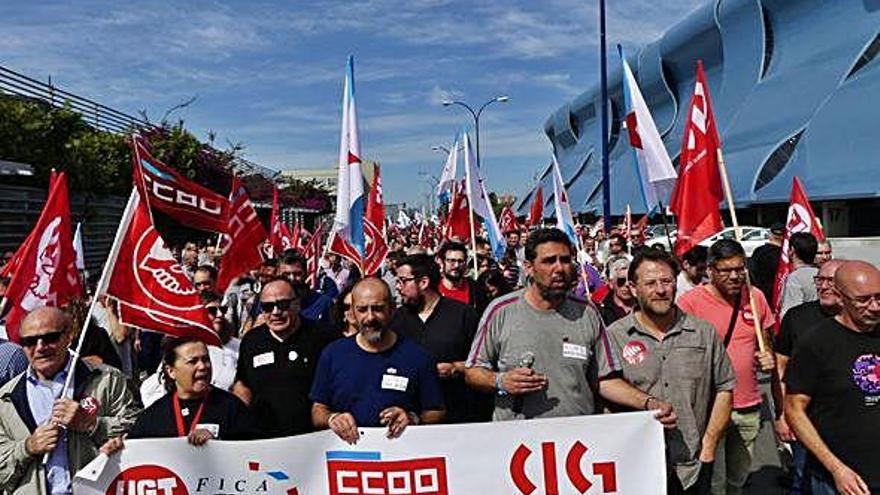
[
  {"x": 665, "y": 224},
  {"x": 725, "y": 181},
  {"x": 467, "y": 174},
  {"x": 101, "y": 287},
  {"x": 603, "y": 81}
]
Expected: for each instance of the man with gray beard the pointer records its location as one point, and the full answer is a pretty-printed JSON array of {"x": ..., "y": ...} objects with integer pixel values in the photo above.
[{"x": 377, "y": 378}]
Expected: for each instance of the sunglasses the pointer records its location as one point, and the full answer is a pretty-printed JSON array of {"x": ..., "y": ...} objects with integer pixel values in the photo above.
[
  {"x": 621, "y": 281},
  {"x": 281, "y": 304},
  {"x": 214, "y": 310},
  {"x": 47, "y": 338}
]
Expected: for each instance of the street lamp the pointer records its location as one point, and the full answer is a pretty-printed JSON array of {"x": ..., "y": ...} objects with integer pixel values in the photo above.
[
  {"x": 440, "y": 147},
  {"x": 476, "y": 115}
]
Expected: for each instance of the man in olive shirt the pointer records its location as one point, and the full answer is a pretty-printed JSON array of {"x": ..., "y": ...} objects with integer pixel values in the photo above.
[{"x": 680, "y": 359}]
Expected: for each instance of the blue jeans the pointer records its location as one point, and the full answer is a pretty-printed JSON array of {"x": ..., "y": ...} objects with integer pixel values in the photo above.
[
  {"x": 800, "y": 485},
  {"x": 821, "y": 484}
]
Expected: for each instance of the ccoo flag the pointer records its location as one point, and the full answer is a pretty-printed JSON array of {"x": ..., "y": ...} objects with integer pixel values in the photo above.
[
  {"x": 655, "y": 172},
  {"x": 479, "y": 200},
  {"x": 347, "y": 235}
]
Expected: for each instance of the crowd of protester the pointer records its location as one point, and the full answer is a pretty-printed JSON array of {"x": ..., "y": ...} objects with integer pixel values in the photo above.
[{"x": 451, "y": 335}]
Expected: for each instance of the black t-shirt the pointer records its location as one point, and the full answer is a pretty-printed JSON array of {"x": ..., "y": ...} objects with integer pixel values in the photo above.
[
  {"x": 762, "y": 268},
  {"x": 795, "y": 323},
  {"x": 279, "y": 375},
  {"x": 840, "y": 370},
  {"x": 233, "y": 419},
  {"x": 447, "y": 335}
]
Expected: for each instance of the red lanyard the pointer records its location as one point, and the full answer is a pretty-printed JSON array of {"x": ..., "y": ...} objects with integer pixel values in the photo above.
[{"x": 178, "y": 415}]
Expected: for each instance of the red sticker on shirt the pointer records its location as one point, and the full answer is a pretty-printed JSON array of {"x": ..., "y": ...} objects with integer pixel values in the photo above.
[
  {"x": 748, "y": 316},
  {"x": 635, "y": 352}
]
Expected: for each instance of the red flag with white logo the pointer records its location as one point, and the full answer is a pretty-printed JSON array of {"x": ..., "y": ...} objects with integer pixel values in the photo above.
[
  {"x": 153, "y": 290},
  {"x": 698, "y": 190},
  {"x": 536, "y": 212},
  {"x": 508, "y": 221},
  {"x": 166, "y": 190},
  {"x": 245, "y": 234},
  {"x": 46, "y": 273},
  {"x": 800, "y": 219},
  {"x": 376, "y": 248}
]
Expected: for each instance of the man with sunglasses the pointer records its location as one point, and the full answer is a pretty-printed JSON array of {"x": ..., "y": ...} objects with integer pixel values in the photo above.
[
  {"x": 276, "y": 362},
  {"x": 796, "y": 323},
  {"x": 833, "y": 385},
  {"x": 620, "y": 300},
  {"x": 724, "y": 303},
  {"x": 36, "y": 420}
]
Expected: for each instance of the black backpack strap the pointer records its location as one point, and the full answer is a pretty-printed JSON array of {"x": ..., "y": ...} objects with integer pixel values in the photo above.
[{"x": 730, "y": 326}]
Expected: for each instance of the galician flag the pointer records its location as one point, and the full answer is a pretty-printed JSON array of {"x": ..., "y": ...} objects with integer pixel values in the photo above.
[
  {"x": 447, "y": 177},
  {"x": 561, "y": 205},
  {"x": 655, "y": 172},
  {"x": 347, "y": 235},
  {"x": 479, "y": 200}
]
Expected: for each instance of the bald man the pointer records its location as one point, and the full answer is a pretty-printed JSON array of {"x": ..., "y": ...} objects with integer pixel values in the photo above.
[
  {"x": 796, "y": 323},
  {"x": 833, "y": 385},
  {"x": 35, "y": 419},
  {"x": 377, "y": 378}
]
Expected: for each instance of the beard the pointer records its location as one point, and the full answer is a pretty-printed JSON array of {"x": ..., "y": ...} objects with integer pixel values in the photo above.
[
  {"x": 551, "y": 293},
  {"x": 372, "y": 334},
  {"x": 453, "y": 275},
  {"x": 416, "y": 303},
  {"x": 658, "y": 307}
]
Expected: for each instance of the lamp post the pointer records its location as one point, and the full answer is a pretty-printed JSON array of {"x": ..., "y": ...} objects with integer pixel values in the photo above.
[
  {"x": 440, "y": 147},
  {"x": 476, "y": 115}
]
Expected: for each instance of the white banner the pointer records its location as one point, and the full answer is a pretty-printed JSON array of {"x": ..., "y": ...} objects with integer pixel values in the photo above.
[{"x": 620, "y": 454}]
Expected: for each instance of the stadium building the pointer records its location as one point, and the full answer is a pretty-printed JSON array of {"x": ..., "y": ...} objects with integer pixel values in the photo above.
[{"x": 795, "y": 87}]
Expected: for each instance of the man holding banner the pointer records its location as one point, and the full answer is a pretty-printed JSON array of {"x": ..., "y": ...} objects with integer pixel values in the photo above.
[{"x": 544, "y": 352}]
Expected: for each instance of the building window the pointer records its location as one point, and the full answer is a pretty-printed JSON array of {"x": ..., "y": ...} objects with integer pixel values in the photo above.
[
  {"x": 777, "y": 161},
  {"x": 866, "y": 57},
  {"x": 769, "y": 41}
]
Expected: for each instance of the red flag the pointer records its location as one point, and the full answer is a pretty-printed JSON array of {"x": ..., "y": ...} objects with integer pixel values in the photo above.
[
  {"x": 10, "y": 267},
  {"x": 296, "y": 235},
  {"x": 151, "y": 286},
  {"x": 536, "y": 212},
  {"x": 245, "y": 234},
  {"x": 458, "y": 225},
  {"x": 275, "y": 226},
  {"x": 173, "y": 194},
  {"x": 376, "y": 248},
  {"x": 641, "y": 227},
  {"x": 46, "y": 273},
  {"x": 698, "y": 188},
  {"x": 800, "y": 219},
  {"x": 312, "y": 252},
  {"x": 508, "y": 221}
]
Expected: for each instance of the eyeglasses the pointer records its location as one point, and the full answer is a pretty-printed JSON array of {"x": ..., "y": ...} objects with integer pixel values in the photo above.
[
  {"x": 823, "y": 281},
  {"x": 404, "y": 280},
  {"x": 214, "y": 310},
  {"x": 455, "y": 261},
  {"x": 281, "y": 304},
  {"x": 47, "y": 338}
]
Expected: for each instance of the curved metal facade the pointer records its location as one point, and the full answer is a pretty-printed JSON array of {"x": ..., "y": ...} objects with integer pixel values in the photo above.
[{"x": 795, "y": 87}]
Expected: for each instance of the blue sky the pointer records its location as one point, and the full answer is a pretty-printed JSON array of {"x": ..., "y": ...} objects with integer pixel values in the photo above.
[{"x": 269, "y": 74}]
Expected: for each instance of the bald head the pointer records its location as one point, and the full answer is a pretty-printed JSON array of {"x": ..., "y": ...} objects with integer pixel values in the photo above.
[
  {"x": 372, "y": 286},
  {"x": 42, "y": 319},
  {"x": 858, "y": 284},
  {"x": 829, "y": 268},
  {"x": 857, "y": 278}
]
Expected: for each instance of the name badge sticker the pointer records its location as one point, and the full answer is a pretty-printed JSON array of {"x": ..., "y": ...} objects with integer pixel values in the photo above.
[
  {"x": 264, "y": 359},
  {"x": 575, "y": 351},
  {"x": 394, "y": 382},
  {"x": 292, "y": 355},
  {"x": 212, "y": 428}
]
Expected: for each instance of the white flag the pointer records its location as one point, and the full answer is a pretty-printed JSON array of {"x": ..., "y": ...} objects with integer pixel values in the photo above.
[
  {"x": 447, "y": 178},
  {"x": 478, "y": 198},
  {"x": 78, "y": 248}
]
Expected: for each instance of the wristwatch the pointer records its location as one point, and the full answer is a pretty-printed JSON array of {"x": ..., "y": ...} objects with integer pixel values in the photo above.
[{"x": 499, "y": 388}]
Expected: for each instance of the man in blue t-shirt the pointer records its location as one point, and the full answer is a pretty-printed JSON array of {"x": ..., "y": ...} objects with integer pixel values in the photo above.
[{"x": 377, "y": 378}]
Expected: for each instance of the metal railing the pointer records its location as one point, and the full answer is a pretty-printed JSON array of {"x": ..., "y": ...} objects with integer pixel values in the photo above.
[{"x": 99, "y": 116}]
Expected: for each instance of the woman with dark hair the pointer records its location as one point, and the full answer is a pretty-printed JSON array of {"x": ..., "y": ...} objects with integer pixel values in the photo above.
[
  {"x": 490, "y": 284},
  {"x": 192, "y": 407},
  {"x": 343, "y": 316}
]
